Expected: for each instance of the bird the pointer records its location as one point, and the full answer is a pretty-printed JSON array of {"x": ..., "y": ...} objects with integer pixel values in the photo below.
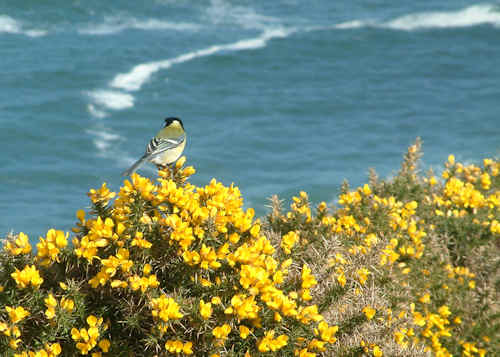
[{"x": 165, "y": 148}]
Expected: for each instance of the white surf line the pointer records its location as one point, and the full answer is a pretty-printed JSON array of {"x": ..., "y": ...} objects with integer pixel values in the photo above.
[
  {"x": 116, "y": 24},
  {"x": 12, "y": 26},
  {"x": 103, "y": 139},
  {"x": 140, "y": 74},
  {"x": 470, "y": 16},
  {"x": 96, "y": 113},
  {"x": 475, "y": 15},
  {"x": 111, "y": 99}
]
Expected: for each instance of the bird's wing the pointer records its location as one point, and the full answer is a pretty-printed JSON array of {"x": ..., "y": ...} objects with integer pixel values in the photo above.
[{"x": 157, "y": 146}]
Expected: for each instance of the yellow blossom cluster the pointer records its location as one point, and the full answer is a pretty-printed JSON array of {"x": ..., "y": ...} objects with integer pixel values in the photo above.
[
  {"x": 28, "y": 276},
  {"x": 88, "y": 338},
  {"x": 20, "y": 245},
  {"x": 364, "y": 214},
  {"x": 176, "y": 346},
  {"x": 51, "y": 303},
  {"x": 165, "y": 308},
  {"x": 102, "y": 196},
  {"x": 269, "y": 343},
  {"x": 49, "y": 247},
  {"x": 49, "y": 350},
  {"x": 166, "y": 267},
  {"x": 12, "y": 330},
  {"x": 216, "y": 240},
  {"x": 288, "y": 241}
]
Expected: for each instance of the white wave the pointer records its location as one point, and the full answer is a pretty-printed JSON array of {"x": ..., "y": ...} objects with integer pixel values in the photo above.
[
  {"x": 103, "y": 140},
  {"x": 106, "y": 143},
  {"x": 112, "y": 99},
  {"x": 9, "y": 25},
  {"x": 135, "y": 79},
  {"x": 35, "y": 33},
  {"x": 471, "y": 16},
  {"x": 96, "y": 113},
  {"x": 351, "y": 24},
  {"x": 114, "y": 25}
]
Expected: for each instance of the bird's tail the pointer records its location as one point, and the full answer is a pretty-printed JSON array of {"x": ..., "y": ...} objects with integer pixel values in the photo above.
[{"x": 135, "y": 166}]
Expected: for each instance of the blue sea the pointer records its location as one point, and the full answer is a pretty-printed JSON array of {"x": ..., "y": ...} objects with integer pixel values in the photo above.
[{"x": 276, "y": 96}]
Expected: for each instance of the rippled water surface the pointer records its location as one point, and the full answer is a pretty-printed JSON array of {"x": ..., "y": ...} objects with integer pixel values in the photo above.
[{"x": 276, "y": 96}]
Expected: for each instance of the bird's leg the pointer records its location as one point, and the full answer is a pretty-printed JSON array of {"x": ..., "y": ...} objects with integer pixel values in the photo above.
[
  {"x": 171, "y": 167},
  {"x": 160, "y": 167}
]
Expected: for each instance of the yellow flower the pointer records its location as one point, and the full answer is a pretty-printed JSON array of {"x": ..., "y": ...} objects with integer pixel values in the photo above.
[
  {"x": 54, "y": 348},
  {"x": 425, "y": 299},
  {"x": 205, "y": 309},
  {"x": 327, "y": 333},
  {"x": 102, "y": 195},
  {"x": 363, "y": 275},
  {"x": 216, "y": 300},
  {"x": 140, "y": 242},
  {"x": 188, "y": 171},
  {"x": 16, "y": 314},
  {"x": 165, "y": 308},
  {"x": 485, "y": 181},
  {"x": 418, "y": 319},
  {"x": 50, "y": 301},
  {"x": 268, "y": 343},
  {"x": 317, "y": 345},
  {"x": 19, "y": 246},
  {"x": 377, "y": 352},
  {"x": 369, "y": 312},
  {"x": 221, "y": 332},
  {"x": 29, "y": 275},
  {"x": 308, "y": 314},
  {"x": 13, "y": 343},
  {"x": 308, "y": 280},
  {"x": 244, "y": 331},
  {"x": 180, "y": 162},
  {"x": 49, "y": 247},
  {"x": 444, "y": 311},
  {"x": 304, "y": 353},
  {"x": 174, "y": 346},
  {"x": 51, "y": 304},
  {"x": 63, "y": 286},
  {"x": 187, "y": 349},
  {"x": 288, "y": 241},
  {"x": 341, "y": 279},
  {"x": 305, "y": 295}
]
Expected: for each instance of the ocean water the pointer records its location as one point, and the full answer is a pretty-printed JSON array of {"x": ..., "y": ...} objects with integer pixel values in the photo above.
[{"x": 276, "y": 96}]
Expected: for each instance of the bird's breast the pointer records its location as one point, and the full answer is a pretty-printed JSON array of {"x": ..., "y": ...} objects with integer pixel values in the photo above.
[{"x": 170, "y": 155}]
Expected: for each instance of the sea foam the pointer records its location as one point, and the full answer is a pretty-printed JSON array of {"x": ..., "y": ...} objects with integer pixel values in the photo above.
[
  {"x": 9, "y": 25},
  {"x": 470, "y": 16},
  {"x": 113, "y": 25},
  {"x": 110, "y": 99},
  {"x": 96, "y": 113},
  {"x": 135, "y": 79},
  {"x": 102, "y": 139}
]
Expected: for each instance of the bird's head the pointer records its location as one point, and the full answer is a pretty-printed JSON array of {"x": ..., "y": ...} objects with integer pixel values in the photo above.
[{"x": 173, "y": 122}]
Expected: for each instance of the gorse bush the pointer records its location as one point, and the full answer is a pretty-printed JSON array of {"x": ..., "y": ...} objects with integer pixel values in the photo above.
[
  {"x": 403, "y": 267},
  {"x": 165, "y": 268}
]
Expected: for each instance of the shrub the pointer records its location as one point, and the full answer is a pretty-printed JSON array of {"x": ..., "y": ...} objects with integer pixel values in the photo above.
[{"x": 408, "y": 266}]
